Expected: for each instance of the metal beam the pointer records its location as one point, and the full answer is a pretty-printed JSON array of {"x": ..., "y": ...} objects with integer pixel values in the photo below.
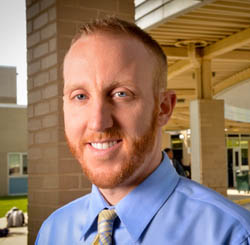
[
  {"x": 187, "y": 92},
  {"x": 231, "y": 81},
  {"x": 151, "y": 13},
  {"x": 175, "y": 53},
  {"x": 182, "y": 105},
  {"x": 234, "y": 56},
  {"x": 178, "y": 68},
  {"x": 228, "y": 44},
  {"x": 206, "y": 79}
]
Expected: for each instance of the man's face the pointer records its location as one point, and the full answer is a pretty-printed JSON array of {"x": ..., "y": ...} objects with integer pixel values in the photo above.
[
  {"x": 170, "y": 154},
  {"x": 109, "y": 109}
]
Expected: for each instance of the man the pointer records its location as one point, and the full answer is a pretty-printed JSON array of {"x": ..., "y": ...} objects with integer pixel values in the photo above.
[
  {"x": 178, "y": 166},
  {"x": 115, "y": 104}
]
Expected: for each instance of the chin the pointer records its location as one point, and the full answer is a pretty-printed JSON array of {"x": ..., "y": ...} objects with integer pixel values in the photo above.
[
  {"x": 109, "y": 175},
  {"x": 104, "y": 179}
]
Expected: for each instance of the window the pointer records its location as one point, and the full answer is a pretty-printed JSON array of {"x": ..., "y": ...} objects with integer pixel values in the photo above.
[
  {"x": 25, "y": 164},
  {"x": 244, "y": 156},
  {"x": 176, "y": 142},
  {"x": 17, "y": 164},
  {"x": 244, "y": 143},
  {"x": 231, "y": 143}
]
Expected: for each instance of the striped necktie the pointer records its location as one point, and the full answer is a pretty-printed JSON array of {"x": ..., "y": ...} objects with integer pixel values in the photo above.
[{"x": 105, "y": 227}]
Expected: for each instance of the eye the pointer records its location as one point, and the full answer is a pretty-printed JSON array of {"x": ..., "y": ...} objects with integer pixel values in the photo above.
[
  {"x": 81, "y": 97},
  {"x": 121, "y": 94}
]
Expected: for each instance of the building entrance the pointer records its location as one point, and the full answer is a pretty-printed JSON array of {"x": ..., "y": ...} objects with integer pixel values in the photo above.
[{"x": 237, "y": 156}]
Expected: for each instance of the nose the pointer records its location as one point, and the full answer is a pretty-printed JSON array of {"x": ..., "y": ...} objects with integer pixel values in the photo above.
[{"x": 100, "y": 116}]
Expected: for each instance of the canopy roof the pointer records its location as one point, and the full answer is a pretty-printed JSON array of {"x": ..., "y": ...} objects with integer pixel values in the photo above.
[{"x": 218, "y": 31}]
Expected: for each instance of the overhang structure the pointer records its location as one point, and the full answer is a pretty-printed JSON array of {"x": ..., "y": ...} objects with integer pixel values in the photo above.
[{"x": 208, "y": 47}]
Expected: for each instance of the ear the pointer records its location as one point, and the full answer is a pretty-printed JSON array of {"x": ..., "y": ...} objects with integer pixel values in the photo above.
[{"x": 167, "y": 104}]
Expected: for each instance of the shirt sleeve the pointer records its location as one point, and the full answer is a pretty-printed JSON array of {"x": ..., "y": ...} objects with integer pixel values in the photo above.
[{"x": 37, "y": 239}]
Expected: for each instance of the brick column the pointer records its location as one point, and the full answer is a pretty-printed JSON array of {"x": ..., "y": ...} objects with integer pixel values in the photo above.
[
  {"x": 208, "y": 147},
  {"x": 55, "y": 178},
  {"x": 166, "y": 140}
]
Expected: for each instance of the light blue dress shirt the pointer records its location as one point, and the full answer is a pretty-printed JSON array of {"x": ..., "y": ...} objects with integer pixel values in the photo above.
[{"x": 164, "y": 209}]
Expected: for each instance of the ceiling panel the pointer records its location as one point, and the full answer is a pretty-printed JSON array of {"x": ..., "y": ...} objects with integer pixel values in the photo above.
[{"x": 210, "y": 23}]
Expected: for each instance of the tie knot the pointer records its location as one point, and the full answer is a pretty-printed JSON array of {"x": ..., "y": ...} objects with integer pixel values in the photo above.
[
  {"x": 107, "y": 215},
  {"x": 105, "y": 227}
]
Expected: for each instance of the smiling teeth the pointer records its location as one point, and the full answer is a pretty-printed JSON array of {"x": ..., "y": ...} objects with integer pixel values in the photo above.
[{"x": 103, "y": 146}]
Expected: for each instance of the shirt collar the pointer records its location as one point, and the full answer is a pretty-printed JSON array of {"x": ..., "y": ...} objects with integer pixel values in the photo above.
[
  {"x": 96, "y": 204},
  {"x": 144, "y": 201}
]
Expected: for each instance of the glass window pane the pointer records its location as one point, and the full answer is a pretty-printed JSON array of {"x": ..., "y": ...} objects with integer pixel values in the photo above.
[
  {"x": 244, "y": 143},
  {"x": 233, "y": 143},
  {"x": 176, "y": 142},
  {"x": 229, "y": 143},
  {"x": 25, "y": 164},
  {"x": 14, "y": 164},
  {"x": 236, "y": 143},
  {"x": 236, "y": 155},
  {"x": 244, "y": 157}
]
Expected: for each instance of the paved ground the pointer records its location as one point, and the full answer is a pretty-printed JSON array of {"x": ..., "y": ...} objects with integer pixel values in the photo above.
[
  {"x": 18, "y": 236},
  {"x": 247, "y": 206},
  {"x": 242, "y": 198}
]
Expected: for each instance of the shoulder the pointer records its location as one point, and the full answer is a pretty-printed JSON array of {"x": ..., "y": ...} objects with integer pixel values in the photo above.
[
  {"x": 71, "y": 209},
  {"x": 213, "y": 217},
  {"x": 67, "y": 218},
  {"x": 209, "y": 199}
]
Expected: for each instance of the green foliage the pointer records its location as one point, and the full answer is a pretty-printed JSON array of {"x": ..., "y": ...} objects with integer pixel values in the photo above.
[{"x": 8, "y": 202}]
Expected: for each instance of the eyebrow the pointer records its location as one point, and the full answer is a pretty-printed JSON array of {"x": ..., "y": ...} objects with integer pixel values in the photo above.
[
  {"x": 122, "y": 83},
  {"x": 113, "y": 84},
  {"x": 68, "y": 88}
]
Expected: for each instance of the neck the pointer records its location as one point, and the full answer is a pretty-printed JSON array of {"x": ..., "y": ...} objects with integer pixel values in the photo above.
[{"x": 115, "y": 195}]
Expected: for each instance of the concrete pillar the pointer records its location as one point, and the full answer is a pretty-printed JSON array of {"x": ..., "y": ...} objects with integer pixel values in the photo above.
[
  {"x": 208, "y": 149},
  {"x": 55, "y": 178},
  {"x": 166, "y": 140},
  {"x": 203, "y": 75}
]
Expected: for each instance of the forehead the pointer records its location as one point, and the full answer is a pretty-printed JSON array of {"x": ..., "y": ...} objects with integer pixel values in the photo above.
[
  {"x": 113, "y": 47},
  {"x": 103, "y": 59},
  {"x": 117, "y": 40}
]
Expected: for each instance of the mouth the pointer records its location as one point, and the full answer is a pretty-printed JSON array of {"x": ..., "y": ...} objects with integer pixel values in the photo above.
[{"x": 104, "y": 145}]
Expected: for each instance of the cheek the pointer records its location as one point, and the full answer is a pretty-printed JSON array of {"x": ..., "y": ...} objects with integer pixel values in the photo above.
[
  {"x": 73, "y": 123},
  {"x": 136, "y": 120}
]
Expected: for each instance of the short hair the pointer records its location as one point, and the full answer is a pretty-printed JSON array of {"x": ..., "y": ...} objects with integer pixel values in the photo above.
[
  {"x": 114, "y": 25},
  {"x": 167, "y": 150}
]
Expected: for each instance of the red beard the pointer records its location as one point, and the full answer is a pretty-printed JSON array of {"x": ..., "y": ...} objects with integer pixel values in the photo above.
[{"x": 135, "y": 157}]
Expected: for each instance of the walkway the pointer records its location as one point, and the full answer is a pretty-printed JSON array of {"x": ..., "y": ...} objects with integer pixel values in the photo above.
[{"x": 17, "y": 235}]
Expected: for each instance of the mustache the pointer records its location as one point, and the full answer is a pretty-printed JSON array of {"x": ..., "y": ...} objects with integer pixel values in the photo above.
[{"x": 108, "y": 134}]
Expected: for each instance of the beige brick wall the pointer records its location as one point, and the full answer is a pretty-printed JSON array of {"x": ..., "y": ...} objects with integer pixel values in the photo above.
[
  {"x": 55, "y": 178},
  {"x": 7, "y": 84},
  {"x": 208, "y": 147},
  {"x": 166, "y": 140},
  {"x": 3, "y": 174},
  {"x": 13, "y": 132}
]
